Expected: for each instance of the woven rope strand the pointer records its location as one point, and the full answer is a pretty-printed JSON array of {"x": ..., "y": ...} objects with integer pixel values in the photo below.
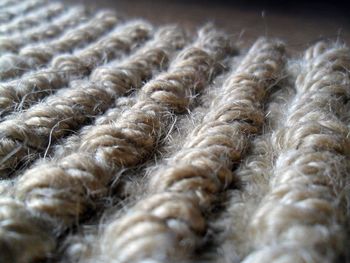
[
  {"x": 170, "y": 91},
  {"x": 72, "y": 143},
  {"x": 302, "y": 218},
  {"x": 92, "y": 164},
  {"x": 156, "y": 52},
  {"x": 71, "y": 18},
  {"x": 229, "y": 227},
  {"x": 31, "y": 57},
  {"x": 63, "y": 69},
  {"x": 135, "y": 68},
  {"x": 34, "y": 18},
  {"x": 86, "y": 163},
  {"x": 34, "y": 233},
  {"x": 168, "y": 225},
  {"x": 20, "y": 8},
  {"x": 31, "y": 131}
]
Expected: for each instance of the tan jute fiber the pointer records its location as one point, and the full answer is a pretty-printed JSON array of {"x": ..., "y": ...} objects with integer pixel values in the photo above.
[{"x": 124, "y": 142}]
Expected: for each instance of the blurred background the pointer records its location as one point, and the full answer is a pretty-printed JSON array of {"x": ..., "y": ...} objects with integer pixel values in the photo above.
[{"x": 300, "y": 23}]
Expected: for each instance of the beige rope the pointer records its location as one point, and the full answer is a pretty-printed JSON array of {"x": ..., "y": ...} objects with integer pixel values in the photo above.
[
  {"x": 146, "y": 154},
  {"x": 302, "y": 217},
  {"x": 135, "y": 68},
  {"x": 67, "y": 67},
  {"x": 229, "y": 226},
  {"x": 33, "y": 232},
  {"x": 81, "y": 177},
  {"x": 72, "y": 17},
  {"x": 31, "y": 19},
  {"x": 32, "y": 57},
  {"x": 31, "y": 131},
  {"x": 141, "y": 120},
  {"x": 21, "y": 8},
  {"x": 169, "y": 224}
]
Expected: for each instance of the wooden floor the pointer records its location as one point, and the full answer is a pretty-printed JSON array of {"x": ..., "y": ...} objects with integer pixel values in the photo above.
[{"x": 299, "y": 24}]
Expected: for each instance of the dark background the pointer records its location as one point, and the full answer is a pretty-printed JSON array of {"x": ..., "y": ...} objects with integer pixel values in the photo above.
[{"x": 299, "y": 23}]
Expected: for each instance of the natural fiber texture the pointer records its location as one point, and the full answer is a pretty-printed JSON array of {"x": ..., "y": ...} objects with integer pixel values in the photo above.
[
  {"x": 18, "y": 9},
  {"x": 302, "y": 216},
  {"x": 32, "y": 19},
  {"x": 189, "y": 181},
  {"x": 123, "y": 142},
  {"x": 31, "y": 130},
  {"x": 12, "y": 43},
  {"x": 31, "y": 57}
]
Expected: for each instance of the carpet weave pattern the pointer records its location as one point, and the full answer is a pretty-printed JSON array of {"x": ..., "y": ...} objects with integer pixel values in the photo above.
[{"x": 125, "y": 142}]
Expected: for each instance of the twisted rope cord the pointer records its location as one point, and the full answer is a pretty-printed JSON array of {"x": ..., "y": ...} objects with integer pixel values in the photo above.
[
  {"x": 85, "y": 174},
  {"x": 137, "y": 130},
  {"x": 21, "y": 8},
  {"x": 129, "y": 74},
  {"x": 72, "y": 17},
  {"x": 82, "y": 62},
  {"x": 33, "y": 232},
  {"x": 72, "y": 143},
  {"x": 31, "y": 57},
  {"x": 34, "y": 18},
  {"x": 70, "y": 174},
  {"x": 229, "y": 227},
  {"x": 257, "y": 170},
  {"x": 30, "y": 131},
  {"x": 302, "y": 217},
  {"x": 169, "y": 224},
  {"x": 35, "y": 86}
]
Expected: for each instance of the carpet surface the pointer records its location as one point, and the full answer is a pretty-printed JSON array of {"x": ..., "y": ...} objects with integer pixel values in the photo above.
[{"x": 122, "y": 141}]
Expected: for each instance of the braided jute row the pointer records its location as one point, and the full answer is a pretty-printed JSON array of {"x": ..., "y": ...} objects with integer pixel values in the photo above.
[
  {"x": 229, "y": 228},
  {"x": 169, "y": 224},
  {"x": 114, "y": 78},
  {"x": 125, "y": 142},
  {"x": 41, "y": 15},
  {"x": 10, "y": 12},
  {"x": 258, "y": 171},
  {"x": 82, "y": 176},
  {"x": 21, "y": 93},
  {"x": 32, "y": 57},
  {"x": 302, "y": 218},
  {"x": 32, "y": 130},
  {"x": 72, "y": 17}
]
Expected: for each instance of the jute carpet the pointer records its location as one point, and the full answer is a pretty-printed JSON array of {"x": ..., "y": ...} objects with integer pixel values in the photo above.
[{"x": 121, "y": 141}]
